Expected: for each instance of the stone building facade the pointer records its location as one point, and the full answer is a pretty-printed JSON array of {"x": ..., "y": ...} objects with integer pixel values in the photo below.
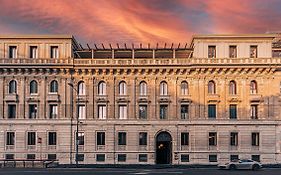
[{"x": 216, "y": 99}]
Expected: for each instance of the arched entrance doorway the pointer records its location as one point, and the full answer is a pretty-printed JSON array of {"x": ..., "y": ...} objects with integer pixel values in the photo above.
[{"x": 163, "y": 148}]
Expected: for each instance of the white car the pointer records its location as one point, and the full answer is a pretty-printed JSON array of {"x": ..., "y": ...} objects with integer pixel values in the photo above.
[{"x": 241, "y": 164}]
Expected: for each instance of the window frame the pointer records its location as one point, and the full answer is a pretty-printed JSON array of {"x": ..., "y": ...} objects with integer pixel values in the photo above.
[
  {"x": 12, "y": 87},
  {"x": 163, "y": 88}
]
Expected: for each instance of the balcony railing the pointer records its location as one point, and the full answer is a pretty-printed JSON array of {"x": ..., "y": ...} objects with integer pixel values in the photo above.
[{"x": 141, "y": 62}]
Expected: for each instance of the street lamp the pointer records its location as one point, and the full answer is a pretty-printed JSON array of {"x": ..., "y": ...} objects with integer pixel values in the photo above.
[{"x": 77, "y": 122}]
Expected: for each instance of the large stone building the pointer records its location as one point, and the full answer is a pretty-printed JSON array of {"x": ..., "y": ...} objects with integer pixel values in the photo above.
[{"x": 217, "y": 99}]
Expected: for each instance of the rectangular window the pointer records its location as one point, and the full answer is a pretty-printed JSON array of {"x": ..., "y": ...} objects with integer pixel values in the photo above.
[
  {"x": 54, "y": 52},
  {"x": 232, "y": 51},
  {"x": 80, "y": 157},
  {"x": 81, "y": 138},
  {"x": 10, "y": 138},
  {"x": 184, "y": 157},
  {"x": 253, "y": 51},
  {"x": 52, "y": 156},
  {"x": 53, "y": 113},
  {"x": 82, "y": 111},
  {"x": 163, "y": 111},
  {"x": 102, "y": 111},
  {"x": 32, "y": 111},
  {"x": 211, "y": 51},
  {"x": 9, "y": 156},
  {"x": 33, "y": 52},
  {"x": 30, "y": 156},
  {"x": 11, "y": 111},
  {"x": 212, "y": 111},
  {"x": 100, "y": 138},
  {"x": 100, "y": 157},
  {"x": 122, "y": 138},
  {"x": 184, "y": 111},
  {"x": 143, "y": 138},
  {"x": 142, "y": 157},
  {"x": 213, "y": 158},
  {"x": 13, "y": 52},
  {"x": 256, "y": 158},
  {"x": 234, "y": 157},
  {"x": 184, "y": 138},
  {"x": 121, "y": 157},
  {"x": 123, "y": 111},
  {"x": 143, "y": 111},
  {"x": 233, "y": 111},
  {"x": 52, "y": 138},
  {"x": 212, "y": 138},
  {"x": 254, "y": 111},
  {"x": 233, "y": 139},
  {"x": 31, "y": 138},
  {"x": 255, "y": 139}
]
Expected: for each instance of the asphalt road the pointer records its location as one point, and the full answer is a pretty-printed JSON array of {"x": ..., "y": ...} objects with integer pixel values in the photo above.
[{"x": 122, "y": 171}]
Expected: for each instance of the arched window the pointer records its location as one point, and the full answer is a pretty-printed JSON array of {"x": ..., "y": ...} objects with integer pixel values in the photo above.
[
  {"x": 81, "y": 88},
  {"x": 184, "y": 88},
  {"x": 33, "y": 87},
  {"x": 143, "y": 88},
  {"x": 163, "y": 88},
  {"x": 232, "y": 88},
  {"x": 102, "y": 88},
  {"x": 54, "y": 86},
  {"x": 253, "y": 87},
  {"x": 12, "y": 87},
  {"x": 122, "y": 88},
  {"x": 211, "y": 87}
]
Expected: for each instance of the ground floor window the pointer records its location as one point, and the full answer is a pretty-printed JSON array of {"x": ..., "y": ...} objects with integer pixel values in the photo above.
[
  {"x": 52, "y": 156},
  {"x": 213, "y": 158},
  {"x": 9, "y": 156},
  {"x": 142, "y": 157},
  {"x": 30, "y": 156},
  {"x": 121, "y": 157},
  {"x": 184, "y": 157},
  {"x": 234, "y": 157},
  {"x": 100, "y": 157},
  {"x": 256, "y": 158}
]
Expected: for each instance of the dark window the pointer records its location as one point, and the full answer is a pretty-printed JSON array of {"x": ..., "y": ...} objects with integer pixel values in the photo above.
[
  {"x": 9, "y": 156},
  {"x": 163, "y": 111},
  {"x": 255, "y": 139},
  {"x": 54, "y": 86},
  {"x": 211, "y": 51},
  {"x": 121, "y": 157},
  {"x": 12, "y": 51},
  {"x": 213, "y": 158},
  {"x": 212, "y": 113},
  {"x": 234, "y": 157},
  {"x": 253, "y": 51},
  {"x": 100, "y": 138},
  {"x": 142, "y": 157},
  {"x": 33, "y": 52},
  {"x": 81, "y": 138},
  {"x": 80, "y": 157},
  {"x": 54, "y": 52},
  {"x": 53, "y": 111},
  {"x": 143, "y": 138},
  {"x": 12, "y": 87},
  {"x": 184, "y": 138},
  {"x": 122, "y": 138},
  {"x": 32, "y": 111},
  {"x": 52, "y": 156},
  {"x": 31, "y": 138},
  {"x": 232, "y": 51},
  {"x": 11, "y": 111},
  {"x": 233, "y": 111},
  {"x": 256, "y": 158},
  {"x": 100, "y": 157},
  {"x": 212, "y": 138},
  {"x": 33, "y": 89},
  {"x": 254, "y": 111},
  {"x": 30, "y": 156},
  {"x": 184, "y": 157},
  {"x": 253, "y": 87},
  {"x": 143, "y": 111},
  {"x": 52, "y": 138},
  {"x": 10, "y": 140},
  {"x": 233, "y": 138},
  {"x": 184, "y": 111}
]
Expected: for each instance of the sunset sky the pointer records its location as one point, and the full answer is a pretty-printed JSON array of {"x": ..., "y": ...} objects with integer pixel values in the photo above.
[{"x": 135, "y": 21}]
